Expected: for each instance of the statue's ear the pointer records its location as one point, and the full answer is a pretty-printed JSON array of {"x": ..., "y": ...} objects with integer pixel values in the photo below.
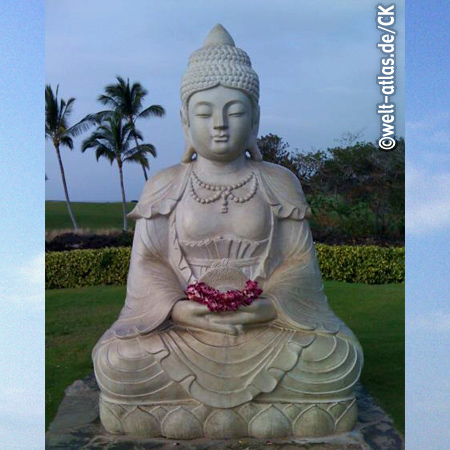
[
  {"x": 253, "y": 145},
  {"x": 256, "y": 117},
  {"x": 190, "y": 150}
]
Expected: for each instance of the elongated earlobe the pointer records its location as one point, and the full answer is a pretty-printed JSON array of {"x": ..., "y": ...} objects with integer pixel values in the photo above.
[
  {"x": 188, "y": 155},
  {"x": 190, "y": 150},
  {"x": 255, "y": 153}
]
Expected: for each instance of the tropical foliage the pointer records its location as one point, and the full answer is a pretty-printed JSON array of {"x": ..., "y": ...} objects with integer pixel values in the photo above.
[
  {"x": 355, "y": 189},
  {"x": 58, "y": 131},
  {"x": 127, "y": 100},
  {"x": 114, "y": 140}
]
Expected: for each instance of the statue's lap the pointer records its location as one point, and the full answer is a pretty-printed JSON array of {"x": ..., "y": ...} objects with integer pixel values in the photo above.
[{"x": 229, "y": 385}]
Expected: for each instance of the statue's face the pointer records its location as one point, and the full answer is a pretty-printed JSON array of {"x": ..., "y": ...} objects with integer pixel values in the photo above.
[{"x": 220, "y": 123}]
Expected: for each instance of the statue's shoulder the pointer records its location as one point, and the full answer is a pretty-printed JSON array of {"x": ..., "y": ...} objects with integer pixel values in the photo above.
[
  {"x": 280, "y": 174},
  {"x": 162, "y": 192},
  {"x": 284, "y": 191},
  {"x": 166, "y": 176}
]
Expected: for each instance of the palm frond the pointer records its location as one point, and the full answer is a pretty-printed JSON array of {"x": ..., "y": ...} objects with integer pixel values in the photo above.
[
  {"x": 51, "y": 110},
  {"x": 100, "y": 116},
  {"x": 137, "y": 134},
  {"x": 149, "y": 148},
  {"x": 68, "y": 108},
  {"x": 90, "y": 142},
  {"x": 57, "y": 113},
  {"x": 137, "y": 94},
  {"x": 138, "y": 90},
  {"x": 48, "y": 132},
  {"x": 83, "y": 125},
  {"x": 65, "y": 111},
  {"x": 152, "y": 111},
  {"x": 66, "y": 141},
  {"x": 142, "y": 149},
  {"x": 105, "y": 152},
  {"x": 137, "y": 158},
  {"x": 108, "y": 100}
]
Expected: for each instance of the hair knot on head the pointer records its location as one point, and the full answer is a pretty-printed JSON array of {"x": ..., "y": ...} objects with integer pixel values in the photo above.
[{"x": 219, "y": 61}]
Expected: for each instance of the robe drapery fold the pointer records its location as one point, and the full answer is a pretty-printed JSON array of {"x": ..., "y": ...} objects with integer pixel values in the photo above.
[{"x": 153, "y": 288}]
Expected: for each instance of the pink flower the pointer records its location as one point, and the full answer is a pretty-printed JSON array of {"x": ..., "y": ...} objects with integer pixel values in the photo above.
[{"x": 223, "y": 301}]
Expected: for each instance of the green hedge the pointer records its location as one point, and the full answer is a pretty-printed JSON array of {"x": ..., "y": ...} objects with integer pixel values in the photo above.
[
  {"x": 362, "y": 264},
  {"x": 354, "y": 264},
  {"x": 79, "y": 268}
]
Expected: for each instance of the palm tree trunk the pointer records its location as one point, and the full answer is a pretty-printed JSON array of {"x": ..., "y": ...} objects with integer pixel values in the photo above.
[
  {"x": 143, "y": 168},
  {"x": 66, "y": 192},
  {"x": 145, "y": 173},
  {"x": 124, "y": 202}
]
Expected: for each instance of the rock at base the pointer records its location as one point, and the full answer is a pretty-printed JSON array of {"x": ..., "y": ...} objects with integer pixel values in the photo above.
[{"x": 77, "y": 425}]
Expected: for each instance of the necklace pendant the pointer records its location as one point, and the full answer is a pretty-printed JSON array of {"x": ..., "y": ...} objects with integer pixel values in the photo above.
[{"x": 224, "y": 206}]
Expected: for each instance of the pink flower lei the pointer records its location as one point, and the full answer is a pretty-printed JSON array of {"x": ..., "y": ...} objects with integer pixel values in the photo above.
[{"x": 217, "y": 301}]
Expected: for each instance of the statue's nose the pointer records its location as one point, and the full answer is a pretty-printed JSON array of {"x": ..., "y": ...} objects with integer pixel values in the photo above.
[{"x": 220, "y": 122}]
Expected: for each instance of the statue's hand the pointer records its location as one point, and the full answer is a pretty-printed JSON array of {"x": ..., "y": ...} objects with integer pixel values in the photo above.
[
  {"x": 259, "y": 312},
  {"x": 195, "y": 315}
]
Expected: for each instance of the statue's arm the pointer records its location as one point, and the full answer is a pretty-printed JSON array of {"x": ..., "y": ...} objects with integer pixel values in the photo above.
[
  {"x": 152, "y": 286},
  {"x": 293, "y": 251},
  {"x": 296, "y": 258},
  {"x": 295, "y": 285}
]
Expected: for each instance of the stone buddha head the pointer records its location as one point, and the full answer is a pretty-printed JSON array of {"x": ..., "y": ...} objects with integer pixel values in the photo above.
[{"x": 219, "y": 95}]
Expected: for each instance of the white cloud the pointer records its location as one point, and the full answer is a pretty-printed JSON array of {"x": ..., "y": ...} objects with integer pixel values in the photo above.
[
  {"x": 441, "y": 137},
  {"x": 22, "y": 364},
  {"x": 23, "y": 282},
  {"x": 438, "y": 321},
  {"x": 427, "y": 200},
  {"x": 431, "y": 122},
  {"x": 428, "y": 404},
  {"x": 33, "y": 270},
  {"x": 13, "y": 399}
]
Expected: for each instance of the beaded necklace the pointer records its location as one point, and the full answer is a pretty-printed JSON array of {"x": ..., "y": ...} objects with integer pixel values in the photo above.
[{"x": 224, "y": 192}]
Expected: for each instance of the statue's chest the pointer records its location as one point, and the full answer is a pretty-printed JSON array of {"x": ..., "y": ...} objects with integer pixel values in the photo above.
[{"x": 249, "y": 220}]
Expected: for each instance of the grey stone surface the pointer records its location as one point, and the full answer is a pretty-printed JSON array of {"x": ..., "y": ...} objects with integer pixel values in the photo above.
[{"x": 77, "y": 427}]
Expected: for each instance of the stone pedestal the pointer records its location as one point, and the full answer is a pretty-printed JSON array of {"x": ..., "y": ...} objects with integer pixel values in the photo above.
[{"x": 77, "y": 426}]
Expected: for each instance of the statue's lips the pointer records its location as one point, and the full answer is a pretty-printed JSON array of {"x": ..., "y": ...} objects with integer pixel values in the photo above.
[{"x": 221, "y": 138}]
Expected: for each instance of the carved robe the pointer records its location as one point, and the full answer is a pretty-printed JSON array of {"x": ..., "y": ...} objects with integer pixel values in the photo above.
[{"x": 306, "y": 354}]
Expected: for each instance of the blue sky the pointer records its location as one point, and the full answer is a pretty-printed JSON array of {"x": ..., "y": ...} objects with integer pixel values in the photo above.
[
  {"x": 22, "y": 225},
  {"x": 428, "y": 226},
  {"x": 317, "y": 63}
]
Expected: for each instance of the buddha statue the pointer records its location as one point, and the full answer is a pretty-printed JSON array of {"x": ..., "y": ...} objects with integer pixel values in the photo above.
[{"x": 280, "y": 364}]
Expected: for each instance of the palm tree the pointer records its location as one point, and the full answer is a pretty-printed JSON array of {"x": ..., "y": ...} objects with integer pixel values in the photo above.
[
  {"x": 57, "y": 113},
  {"x": 127, "y": 100},
  {"x": 112, "y": 140}
]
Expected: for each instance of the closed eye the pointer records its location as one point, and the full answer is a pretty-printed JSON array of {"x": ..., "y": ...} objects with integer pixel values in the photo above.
[{"x": 237, "y": 114}]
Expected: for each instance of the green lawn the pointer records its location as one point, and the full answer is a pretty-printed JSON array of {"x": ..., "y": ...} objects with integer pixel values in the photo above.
[
  {"x": 76, "y": 318},
  {"x": 87, "y": 215},
  {"x": 376, "y": 313}
]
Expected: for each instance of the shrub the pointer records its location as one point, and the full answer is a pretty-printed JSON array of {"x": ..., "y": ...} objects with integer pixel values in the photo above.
[
  {"x": 353, "y": 264},
  {"x": 362, "y": 264},
  {"x": 86, "y": 267}
]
